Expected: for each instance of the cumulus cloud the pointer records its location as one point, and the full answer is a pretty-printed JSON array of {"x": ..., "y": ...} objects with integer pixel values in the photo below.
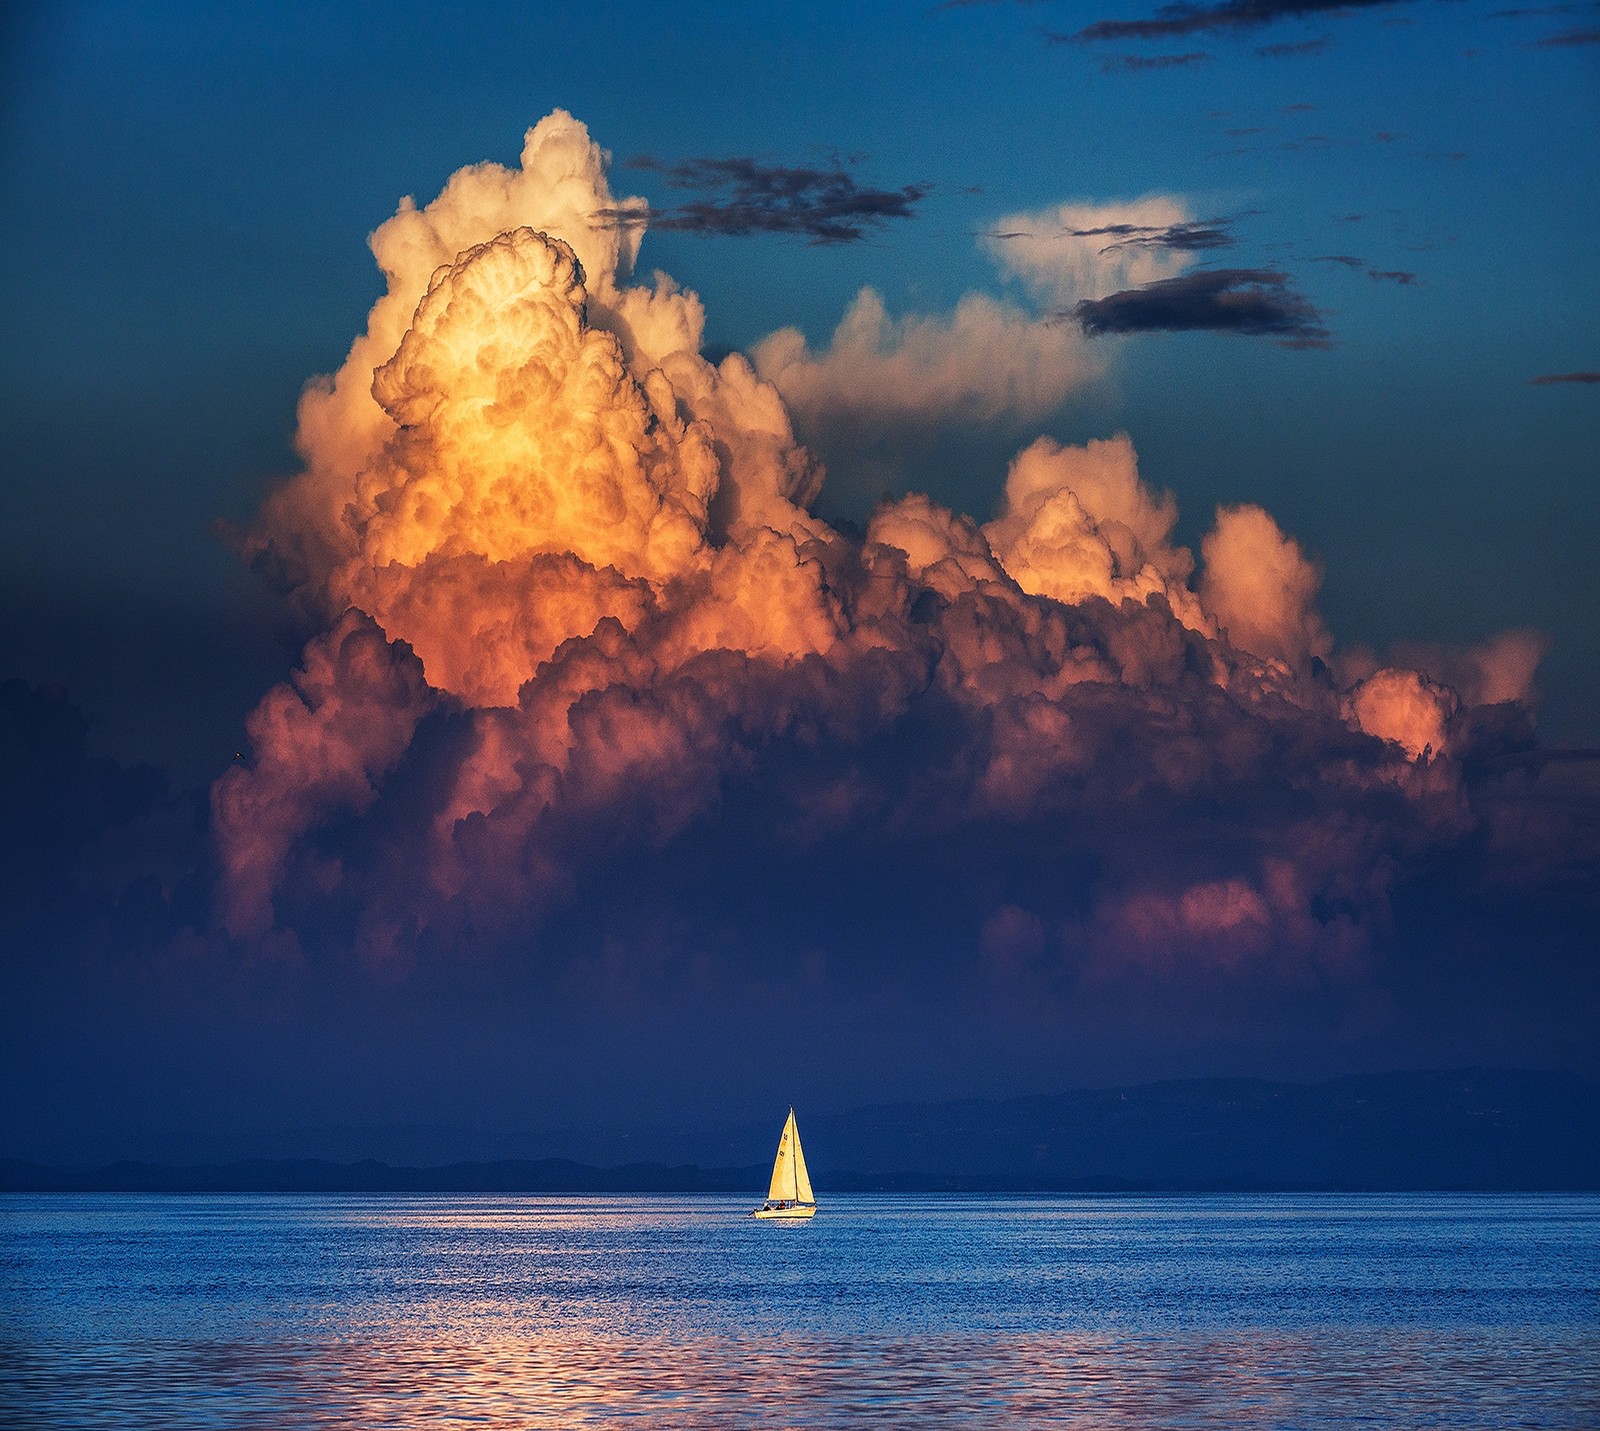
[
  {"x": 986, "y": 359},
  {"x": 575, "y": 603},
  {"x": 321, "y": 743},
  {"x": 1077, "y": 522},
  {"x": 1494, "y": 672},
  {"x": 1262, "y": 588},
  {"x": 1406, "y": 708},
  {"x": 989, "y": 358}
]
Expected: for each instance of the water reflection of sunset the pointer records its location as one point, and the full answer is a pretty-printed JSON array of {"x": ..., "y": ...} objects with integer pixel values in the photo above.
[
  {"x": 360, "y": 1312},
  {"x": 583, "y": 1376}
]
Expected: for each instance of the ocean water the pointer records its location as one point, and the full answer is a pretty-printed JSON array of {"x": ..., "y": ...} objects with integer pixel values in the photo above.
[{"x": 487, "y": 1312}]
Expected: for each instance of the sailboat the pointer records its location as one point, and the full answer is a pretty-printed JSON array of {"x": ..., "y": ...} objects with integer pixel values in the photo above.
[{"x": 789, "y": 1194}]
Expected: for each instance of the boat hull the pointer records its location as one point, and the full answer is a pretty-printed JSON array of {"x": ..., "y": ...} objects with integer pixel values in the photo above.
[{"x": 802, "y": 1210}]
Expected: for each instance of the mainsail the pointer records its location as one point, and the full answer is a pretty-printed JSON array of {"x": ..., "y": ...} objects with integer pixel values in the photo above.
[{"x": 790, "y": 1180}]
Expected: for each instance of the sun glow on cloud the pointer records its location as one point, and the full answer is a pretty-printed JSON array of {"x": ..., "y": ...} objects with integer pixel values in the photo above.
[{"x": 535, "y": 518}]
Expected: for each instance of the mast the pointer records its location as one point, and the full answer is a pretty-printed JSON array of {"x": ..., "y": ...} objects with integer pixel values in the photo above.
[{"x": 794, "y": 1161}]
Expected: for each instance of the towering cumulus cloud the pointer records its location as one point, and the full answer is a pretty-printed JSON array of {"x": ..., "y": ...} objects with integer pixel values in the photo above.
[{"x": 573, "y": 599}]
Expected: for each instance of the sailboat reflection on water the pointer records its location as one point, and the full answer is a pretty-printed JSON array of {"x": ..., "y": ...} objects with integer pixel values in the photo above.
[{"x": 789, "y": 1194}]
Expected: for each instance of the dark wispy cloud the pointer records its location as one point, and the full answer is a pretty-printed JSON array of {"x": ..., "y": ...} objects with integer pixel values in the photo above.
[
  {"x": 1136, "y": 64},
  {"x": 1567, "y": 39},
  {"x": 1546, "y": 379},
  {"x": 1301, "y": 47},
  {"x": 739, "y": 196},
  {"x": 1257, "y": 301},
  {"x": 1191, "y": 237},
  {"x": 1403, "y": 276},
  {"x": 1171, "y": 21}
]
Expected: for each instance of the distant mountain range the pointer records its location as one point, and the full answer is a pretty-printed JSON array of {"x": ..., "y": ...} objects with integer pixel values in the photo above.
[
  {"x": 1466, "y": 1129},
  {"x": 545, "y": 1175}
]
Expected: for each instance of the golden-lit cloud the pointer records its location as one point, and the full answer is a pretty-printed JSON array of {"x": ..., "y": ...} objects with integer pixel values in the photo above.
[
  {"x": 1078, "y": 522},
  {"x": 1406, "y": 708},
  {"x": 572, "y": 591},
  {"x": 1261, "y": 587}
]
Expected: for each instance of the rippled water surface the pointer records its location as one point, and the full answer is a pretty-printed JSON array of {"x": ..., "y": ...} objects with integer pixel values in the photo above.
[{"x": 1329, "y": 1311}]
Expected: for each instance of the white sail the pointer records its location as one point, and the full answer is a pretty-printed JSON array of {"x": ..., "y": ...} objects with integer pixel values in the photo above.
[
  {"x": 789, "y": 1194},
  {"x": 784, "y": 1170},
  {"x": 802, "y": 1179}
]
